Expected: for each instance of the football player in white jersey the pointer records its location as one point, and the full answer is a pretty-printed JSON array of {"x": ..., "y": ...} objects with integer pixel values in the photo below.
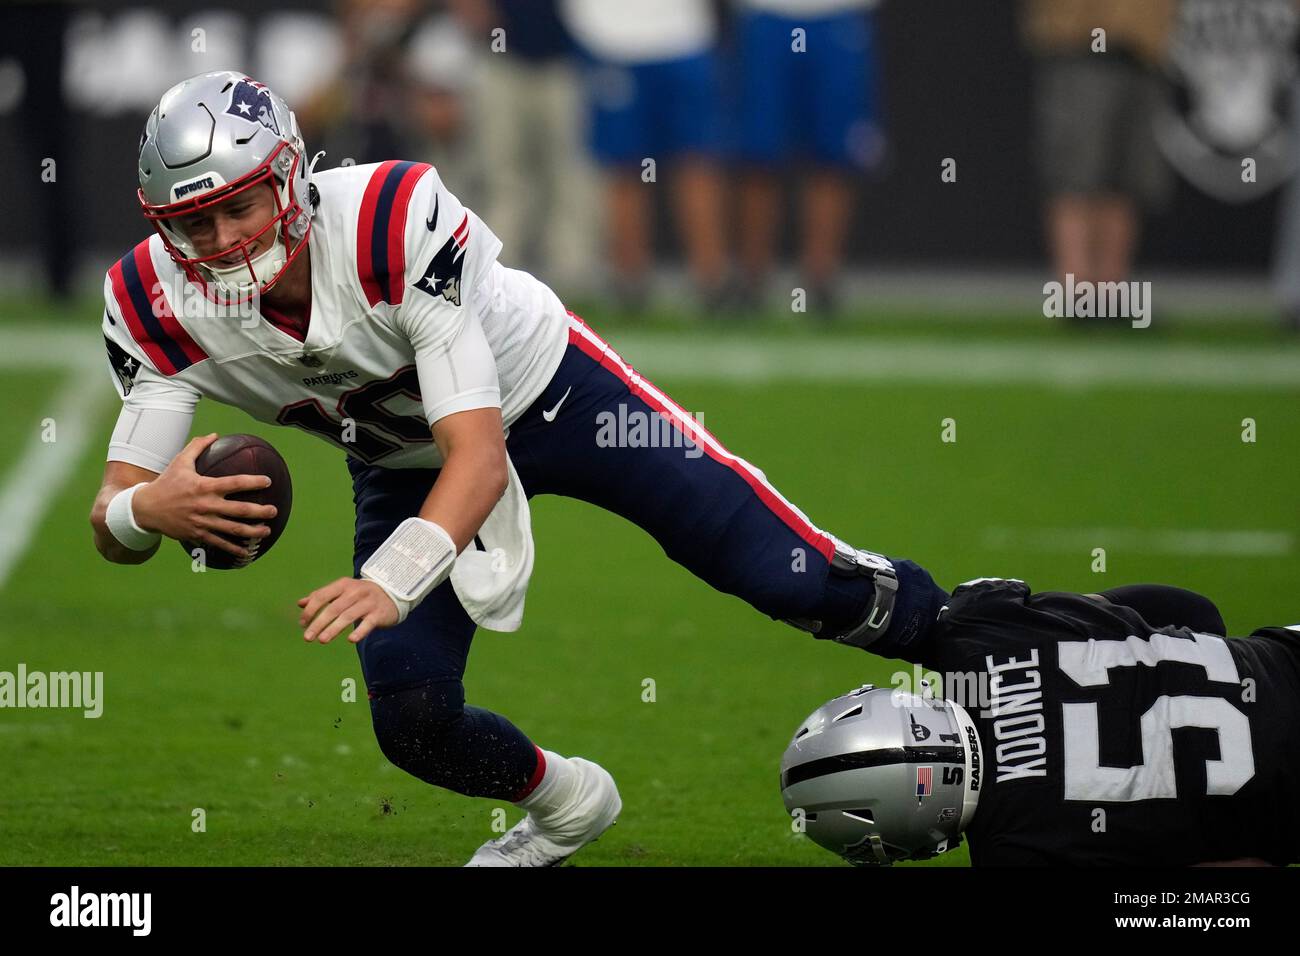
[{"x": 366, "y": 305}]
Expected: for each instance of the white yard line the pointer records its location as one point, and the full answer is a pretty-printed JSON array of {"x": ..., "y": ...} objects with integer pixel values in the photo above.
[
  {"x": 1186, "y": 542},
  {"x": 39, "y": 347},
  {"x": 32, "y": 484}
]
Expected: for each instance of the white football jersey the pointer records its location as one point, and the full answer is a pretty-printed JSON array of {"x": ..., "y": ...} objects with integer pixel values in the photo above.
[{"x": 401, "y": 275}]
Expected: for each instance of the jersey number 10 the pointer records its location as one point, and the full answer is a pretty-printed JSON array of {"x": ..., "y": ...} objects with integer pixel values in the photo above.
[{"x": 373, "y": 427}]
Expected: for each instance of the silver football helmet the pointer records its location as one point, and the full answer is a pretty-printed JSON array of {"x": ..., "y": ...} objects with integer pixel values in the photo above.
[
  {"x": 210, "y": 138},
  {"x": 880, "y": 775}
]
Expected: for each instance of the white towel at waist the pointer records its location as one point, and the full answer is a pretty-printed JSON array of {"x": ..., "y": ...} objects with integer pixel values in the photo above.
[{"x": 491, "y": 583}]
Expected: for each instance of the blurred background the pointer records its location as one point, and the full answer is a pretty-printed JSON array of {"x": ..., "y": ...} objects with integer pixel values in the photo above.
[{"x": 710, "y": 156}]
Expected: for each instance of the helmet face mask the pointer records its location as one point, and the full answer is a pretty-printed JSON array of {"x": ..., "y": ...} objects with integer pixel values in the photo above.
[{"x": 212, "y": 139}]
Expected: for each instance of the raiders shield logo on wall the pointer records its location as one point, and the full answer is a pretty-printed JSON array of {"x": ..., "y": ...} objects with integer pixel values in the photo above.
[{"x": 1232, "y": 64}]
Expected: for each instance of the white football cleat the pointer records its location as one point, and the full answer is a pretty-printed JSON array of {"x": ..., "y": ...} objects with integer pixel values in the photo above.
[{"x": 550, "y": 840}]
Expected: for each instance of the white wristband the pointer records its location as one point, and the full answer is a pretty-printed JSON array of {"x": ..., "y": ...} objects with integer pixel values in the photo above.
[
  {"x": 415, "y": 559},
  {"x": 122, "y": 524}
]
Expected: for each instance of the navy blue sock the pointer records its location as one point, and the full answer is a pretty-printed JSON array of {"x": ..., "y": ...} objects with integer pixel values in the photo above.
[{"x": 432, "y": 734}]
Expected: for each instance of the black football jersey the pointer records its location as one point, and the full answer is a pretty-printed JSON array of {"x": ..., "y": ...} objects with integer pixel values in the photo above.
[{"x": 1109, "y": 742}]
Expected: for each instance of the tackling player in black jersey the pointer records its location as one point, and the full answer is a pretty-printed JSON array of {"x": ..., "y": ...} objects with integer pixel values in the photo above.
[{"x": 1116, "y": 729}]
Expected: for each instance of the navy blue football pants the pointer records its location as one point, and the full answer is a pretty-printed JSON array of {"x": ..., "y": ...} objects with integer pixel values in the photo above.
[{"x": 618, "y": 442}]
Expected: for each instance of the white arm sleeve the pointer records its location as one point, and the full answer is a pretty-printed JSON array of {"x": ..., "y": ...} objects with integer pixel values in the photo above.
[
  {"x": 445, "y": 267},
  {"x": 154, "y": 423},
  {"x": 458, "y": 375}
]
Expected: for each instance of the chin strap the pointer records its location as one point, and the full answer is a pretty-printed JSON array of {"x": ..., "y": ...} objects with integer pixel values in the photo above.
[{"x": 268, "y": 262}]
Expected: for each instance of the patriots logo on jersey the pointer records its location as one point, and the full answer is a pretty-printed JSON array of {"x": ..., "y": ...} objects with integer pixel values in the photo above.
[
  {"x": 442, "y": 277},
  {"x": 124, "y": 366},
  {"x": 251, "y": 100}
]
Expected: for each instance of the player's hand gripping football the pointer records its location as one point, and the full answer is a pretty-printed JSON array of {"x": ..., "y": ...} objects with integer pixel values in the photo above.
[
  {"x": 185, "y": 505},
  {"x": 328, "y": 610}
]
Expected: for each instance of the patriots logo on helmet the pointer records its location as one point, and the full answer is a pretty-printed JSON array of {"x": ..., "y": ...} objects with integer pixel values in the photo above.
[
  {"x": 251, "y": 100},
  {"x": 442, "y": 277}
]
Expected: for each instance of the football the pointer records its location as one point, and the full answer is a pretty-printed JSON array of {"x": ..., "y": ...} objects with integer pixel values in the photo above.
[{"x": 246, "y": 455}]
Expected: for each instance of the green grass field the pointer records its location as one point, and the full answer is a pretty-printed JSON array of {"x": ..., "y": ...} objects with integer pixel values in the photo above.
[{"x": 212, "y": 700}]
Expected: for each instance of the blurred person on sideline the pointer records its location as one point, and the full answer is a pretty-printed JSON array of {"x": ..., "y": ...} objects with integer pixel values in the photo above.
[
  {"x": 808, "y": 87},
  {"x": 400, "y": 88},
  {"x": 538, "y": 183},
  {"x": 1097, "y": 90},
  {"x": 652, "y": 87}
]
